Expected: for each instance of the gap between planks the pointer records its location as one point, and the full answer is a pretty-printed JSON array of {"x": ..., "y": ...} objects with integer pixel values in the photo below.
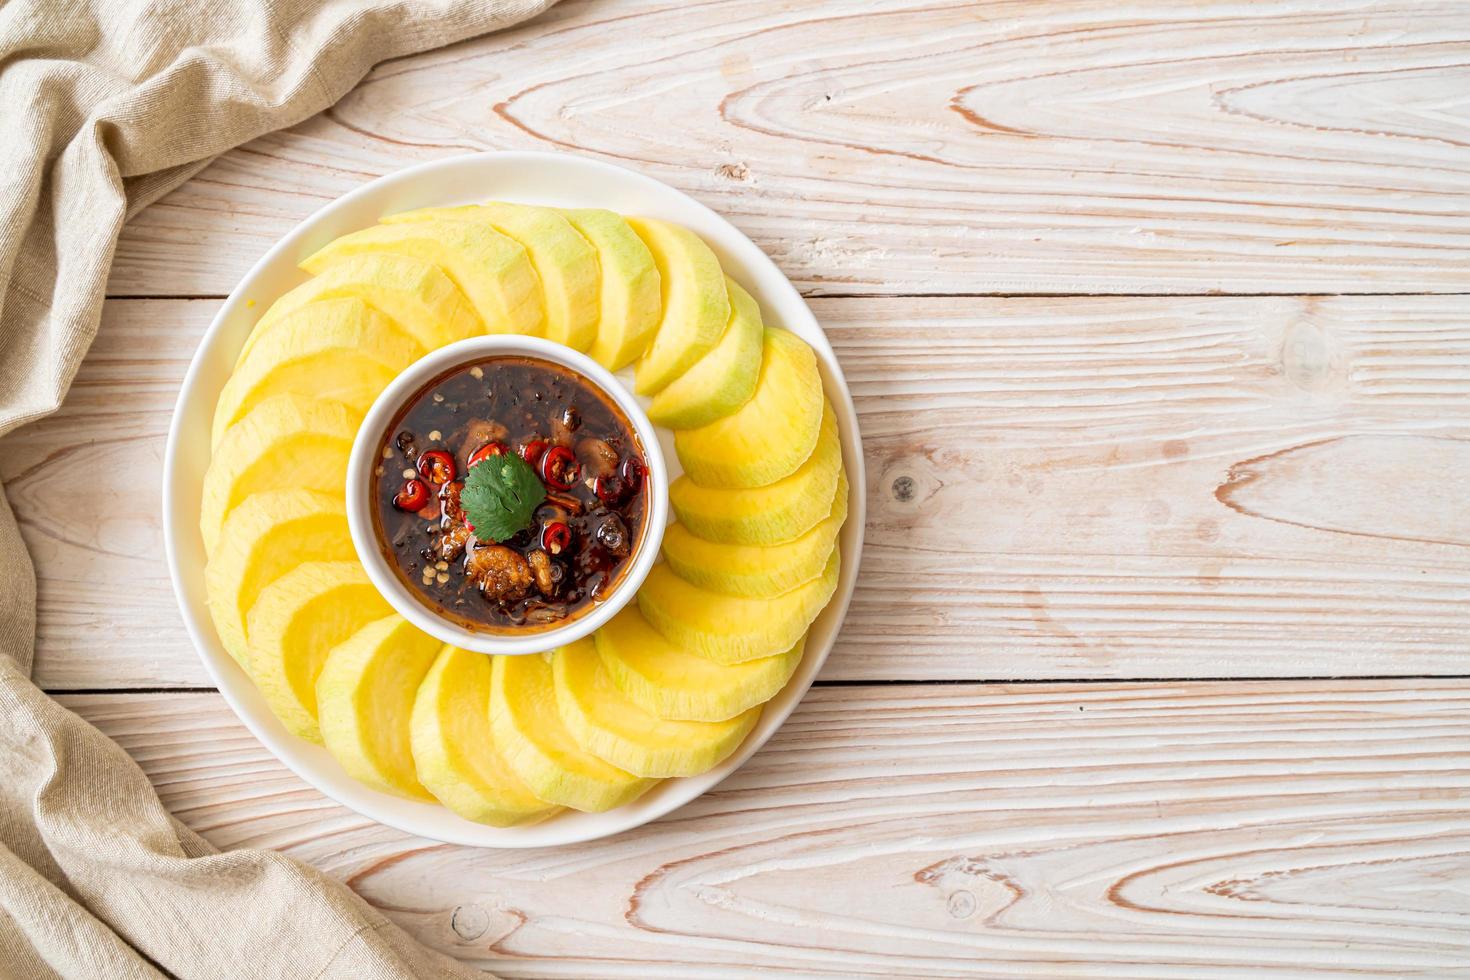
[{"x": 936, "y": 682}]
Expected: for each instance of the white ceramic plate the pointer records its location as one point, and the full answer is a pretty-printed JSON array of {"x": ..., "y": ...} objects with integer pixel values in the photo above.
[{"x": 554, "y": 179}]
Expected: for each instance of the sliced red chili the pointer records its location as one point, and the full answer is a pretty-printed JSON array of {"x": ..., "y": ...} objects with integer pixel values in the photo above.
[
  {"x": 413, "y": 496},
  {"x": 610, "y": 489},
  {"x": 556, "y": 537},
  {"x": 559, "y": 468},
  {"x": 632, "y": 472},
  {"x": 485, "y": 452},
  {"x": 531, "y": 451},
  {"x": 436, "y": 466}
]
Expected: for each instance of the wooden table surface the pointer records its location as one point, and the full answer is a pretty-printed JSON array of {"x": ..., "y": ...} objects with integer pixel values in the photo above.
[{"x": 1157, "y": 317}]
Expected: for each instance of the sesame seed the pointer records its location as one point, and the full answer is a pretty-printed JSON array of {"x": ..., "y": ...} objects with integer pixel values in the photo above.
[
  {"x": 442, "y": 578},
  {"x": 477, "y": 372},
  {"x": 387, "y": 453},
  {"x": 443, "y": 566},
  {"x": 438, "y": 397},
  {"x": 435, "y": 436},
  {"x": 408, "y": 473},
  {"x": 377, "y": 471}
]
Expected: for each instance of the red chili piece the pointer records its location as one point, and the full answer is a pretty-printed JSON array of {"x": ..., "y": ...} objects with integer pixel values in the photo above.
[
  {"x": 436, "y": 466},
  {"x": 413, "y": 496},
  {"x": 531, "y": 451},
  {"x": 559, "y": 468},
  {"x": 632, "y": 472},
  {"x": 485, "y": 452},
  {"x": 556, "y": 537},
  {"x": 610, "y": 489}
]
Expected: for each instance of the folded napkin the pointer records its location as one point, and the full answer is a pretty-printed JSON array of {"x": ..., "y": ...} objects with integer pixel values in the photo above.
[{"x": 105, "y": 105}]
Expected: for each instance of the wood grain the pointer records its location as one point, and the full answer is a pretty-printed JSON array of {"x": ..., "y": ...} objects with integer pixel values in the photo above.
[
  {"x": 1060, "y": 488},
  {"x": 1162, "y": 830},
  {"x": 919, "y": 147}
]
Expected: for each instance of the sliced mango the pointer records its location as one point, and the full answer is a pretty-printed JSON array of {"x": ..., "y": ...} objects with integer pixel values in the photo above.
[
  {"x": 492, "y": 270},
  {"x": 294, "y": 625},
  {"x": 564, "y": 261},
  {"x": 753, "y": 570},
  {"x": 694, "y": 304},
  {"x": 630, "y": 303},
  {"x": 723, "y": 379},
  {"x": 453, "y": 749},
  {"x": 338, "y": 349},
  {"x": 615, "y": 729},
  {"x": 417, "y": 295},
  {"x": 364, "y": 698},
  {"x": 768, "y": 515},
  {"x": 733, "y": 629},
  {"x": 772, "y": 434},
  {"x": 285, "y": 441},
  {"x": 669, "y": 682},
  {"x": 531, "y": 736},
  {"x": 265, "y": 537}
]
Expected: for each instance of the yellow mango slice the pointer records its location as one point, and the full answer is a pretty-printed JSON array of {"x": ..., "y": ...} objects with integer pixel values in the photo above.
[
  {"x": 364, "y": 699},
  {"x": 453, "y": 749},
  {"x": 669, "y": 682},
  {"x": 295, "y": 623},
  {"x": 339, "y": 350},
  {"x": 732, "y": 629},
  {"x": 615, "y": 729},
  {"x": 772, "y": 434},
  {"x": 723, "y": 379},
  {"x": 417, "y": 295},
  {"x": 755, "y": 570},
  {"x": 564, "y": 261},
  {"x": 695, "y": 307},
  {"x": 767, "y": 515},
  {"x": 286, "y": 441},
  {"x": 265, "y": 537},
  {"x": 492, "y": 270},
  {"x": 630, "y": 305},
  {"x": 531, "y": 736}
]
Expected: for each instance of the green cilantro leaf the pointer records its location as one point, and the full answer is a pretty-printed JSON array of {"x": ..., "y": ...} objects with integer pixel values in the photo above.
[{"x": 500, "y": 494}]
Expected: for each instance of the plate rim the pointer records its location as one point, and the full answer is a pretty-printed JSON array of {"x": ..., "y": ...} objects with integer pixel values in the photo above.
[{"x": 296, "y": 754}]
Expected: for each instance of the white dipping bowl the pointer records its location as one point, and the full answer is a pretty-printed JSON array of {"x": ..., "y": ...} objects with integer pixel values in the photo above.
[{"x": 362, "y": 483}]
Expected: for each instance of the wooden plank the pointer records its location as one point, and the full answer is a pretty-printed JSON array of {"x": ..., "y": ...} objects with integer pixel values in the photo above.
[
  {"x": 1060, "y": 488},
  {"x": 915, "y": 147},
  {"x": 1165, "y": 830}
]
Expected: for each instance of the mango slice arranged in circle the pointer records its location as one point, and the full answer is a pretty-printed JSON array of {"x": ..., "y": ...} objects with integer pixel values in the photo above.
[
  {"x": 723, "y": 379},
  {"x": 295, "y": 623},
  {"x": 610, "y": 726},
  {"x": 756, "y": 570},
  {"x": 669, "y": 682},
  {"x": 364, "y": 699},
  {"x": 772, "y": 434},
  {"x": 286, "y": 441},
  {"x": 733, "y": 629},
  {"x": 695, "y": 306},
  {"x": 630, "y": 299},
  {"x": 339, "y": 350},
  {"x": 453, "y": 749},
  {"x": 492, "y": 270},
  {"x": 531, "y": 736},
  {"x": 674, "y": 683},
  {"x": 417, "y": 295},
  {"x": 767, "y": 515},
  {"x": 265, "y": 537},
  {"x": 564, "y": 261}
]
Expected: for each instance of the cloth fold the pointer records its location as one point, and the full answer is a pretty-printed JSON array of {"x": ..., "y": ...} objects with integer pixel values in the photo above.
[{"x": 106, "y": 105}]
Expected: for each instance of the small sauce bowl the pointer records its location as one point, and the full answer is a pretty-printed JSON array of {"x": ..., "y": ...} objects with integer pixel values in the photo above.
[{"x": 366, "y": 456}]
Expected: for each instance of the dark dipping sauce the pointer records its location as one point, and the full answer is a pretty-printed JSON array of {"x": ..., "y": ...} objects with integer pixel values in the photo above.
[{"x": 581, "y": 537}]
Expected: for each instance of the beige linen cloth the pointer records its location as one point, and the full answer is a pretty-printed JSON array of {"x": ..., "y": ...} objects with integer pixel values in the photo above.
[{"x": 104, "y": 106}]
